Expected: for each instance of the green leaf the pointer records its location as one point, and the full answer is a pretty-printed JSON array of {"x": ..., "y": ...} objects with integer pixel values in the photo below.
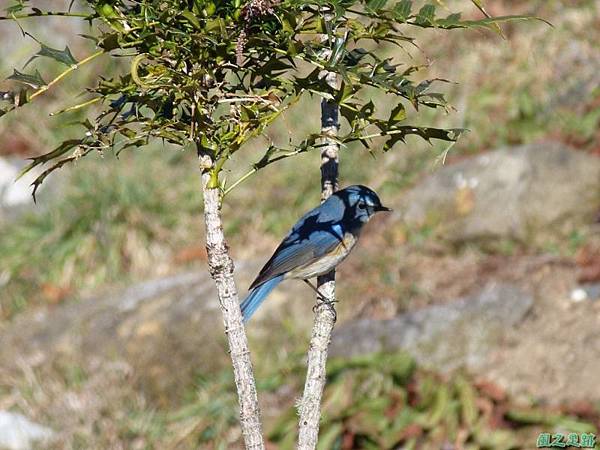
[
  {"x": 495, "y": 26},
  {"x": 15, "y": 8},
  {"x": 355, "y": 56},
  {"x": 376, "y": 5},
  {"x": 398, "y": 134},
  {"x": 338, "y": 50},
  {"x": 348, "y": 112},
  {"x": 402, "y": 10},
  {"x": 400, "y": 365},
  {"x": 346, "y": 92},
  {"x": 40, "y": 179},
  {"x": 542, "y": 417},
  {"x": 496, "y": 439},
  {"x": 35, "y": 81},
  {"x": 467, "y": 398},
  {"x": 57, "y": 152},
  {"x": 62, "y": 56},
  {"x": 489, "y": 23},
  {"x": 191, "y": 17},
  {"x": 438, "y": 410},
  {"x": 110, "y": 42},
  {"x": 452, "y": 19},
  {"x": 329, "y": 436},
  {"x": 398, "y": 114},
  {"x": 426, "y": 16}
]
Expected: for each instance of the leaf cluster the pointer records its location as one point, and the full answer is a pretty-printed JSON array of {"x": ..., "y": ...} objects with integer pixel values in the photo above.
[
  {"x": 385, "y": 401},
  {"x": 382, "y": 401},
  {"x": 213, "y": 74}
]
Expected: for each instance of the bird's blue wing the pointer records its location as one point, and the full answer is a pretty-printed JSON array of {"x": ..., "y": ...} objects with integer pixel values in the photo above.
[{"x": 310, "y": 239}]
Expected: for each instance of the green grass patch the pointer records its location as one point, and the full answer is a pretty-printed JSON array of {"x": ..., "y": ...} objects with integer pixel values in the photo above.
[{"x": 112, "y": 219}]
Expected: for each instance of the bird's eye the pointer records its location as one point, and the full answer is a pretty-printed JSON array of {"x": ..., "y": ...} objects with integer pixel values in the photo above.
[{"x": 362, "y": 205}]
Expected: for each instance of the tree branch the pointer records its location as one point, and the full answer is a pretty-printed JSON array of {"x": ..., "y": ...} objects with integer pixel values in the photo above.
[
  {"x": 46, "y": 14},
  {"x": 221, "y": 269},
  {"x": 310, "y": 405},
  {"x": 65, "y": 73}
]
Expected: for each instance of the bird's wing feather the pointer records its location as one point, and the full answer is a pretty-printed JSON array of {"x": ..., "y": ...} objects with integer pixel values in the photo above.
[{"x": 307, "y": 242}]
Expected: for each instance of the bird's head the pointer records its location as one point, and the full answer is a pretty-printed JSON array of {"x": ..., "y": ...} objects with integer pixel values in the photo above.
[{"x": 361, "y": 202}]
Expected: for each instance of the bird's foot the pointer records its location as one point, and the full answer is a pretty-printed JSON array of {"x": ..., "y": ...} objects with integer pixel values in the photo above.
[
  {"x": 329, "y": 303},
  {"x": 322, "y": 300}
]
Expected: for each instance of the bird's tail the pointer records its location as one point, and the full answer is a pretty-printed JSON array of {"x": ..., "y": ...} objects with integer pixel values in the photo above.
[{"x": 257, "y": 296}]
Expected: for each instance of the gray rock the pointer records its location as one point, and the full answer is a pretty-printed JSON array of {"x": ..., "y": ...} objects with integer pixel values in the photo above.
[
  {"x": 164, "y": 330},
  {"x": 15, "y": 195},
  {"x": 17, "y": 432},
  {"x": 14, "y": 192},
  {"x": 511, "y": 192},
  {"x": 443, "y": 337},
  {"x": 575, "y": 75}
]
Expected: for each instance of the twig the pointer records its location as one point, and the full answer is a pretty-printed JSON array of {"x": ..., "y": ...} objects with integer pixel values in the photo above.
[
  {"x": 262, "y": 165},
  {"x": 78, "y": 106},
  {"x": 45, "y": 14},
  {"x": 65, "y": 73},
  {"x": 240, "y": 181}
]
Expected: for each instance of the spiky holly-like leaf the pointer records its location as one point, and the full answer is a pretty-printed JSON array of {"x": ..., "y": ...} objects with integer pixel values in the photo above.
[
  {"x": 63, "y": 56},
  {"x": 34, "y": 80}
]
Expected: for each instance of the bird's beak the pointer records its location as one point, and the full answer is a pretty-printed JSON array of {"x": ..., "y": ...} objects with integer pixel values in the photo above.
[{"x": 382, "y": 208}]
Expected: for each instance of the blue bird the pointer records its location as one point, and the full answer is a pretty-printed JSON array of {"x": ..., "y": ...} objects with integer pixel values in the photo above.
[{"x": 319, "y": 241}]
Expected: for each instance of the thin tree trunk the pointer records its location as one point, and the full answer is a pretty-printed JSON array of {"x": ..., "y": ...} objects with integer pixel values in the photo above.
[
  {"x": 310, "y": 405},
  {"x": 221, "y": 269}
]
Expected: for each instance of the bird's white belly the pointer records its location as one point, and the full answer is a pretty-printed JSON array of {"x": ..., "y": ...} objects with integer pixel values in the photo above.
[{"x": 327, "y": 262}]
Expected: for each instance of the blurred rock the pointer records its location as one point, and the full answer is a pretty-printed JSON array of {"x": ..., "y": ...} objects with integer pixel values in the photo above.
[
  {"x": 512, "y": 192},
  {"x": 19, "y": 433},
  {"x": 15, "y": 195},
  {"x": 443, "y": 337},
  {"x": 165, "y": 330},
  {"x": 12, "y": 192},
  {"x": 554, "y": 355},
  {"x": 576, "y": 75}
]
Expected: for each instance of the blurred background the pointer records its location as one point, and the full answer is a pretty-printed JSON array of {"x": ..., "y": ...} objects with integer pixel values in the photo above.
[{"x": 468, "y": 318}]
